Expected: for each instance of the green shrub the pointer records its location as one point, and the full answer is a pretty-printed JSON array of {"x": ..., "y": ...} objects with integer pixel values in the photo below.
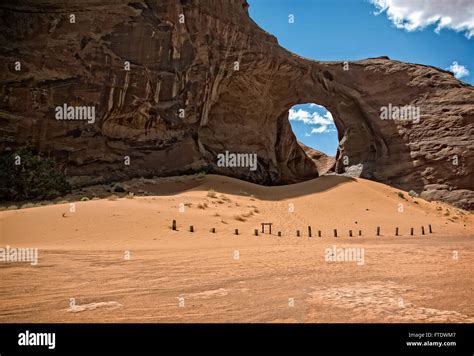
[{"x": 34, "y": 177}]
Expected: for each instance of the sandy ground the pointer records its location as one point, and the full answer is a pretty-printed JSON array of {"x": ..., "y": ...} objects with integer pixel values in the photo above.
[{"x": 117, "y": 259}]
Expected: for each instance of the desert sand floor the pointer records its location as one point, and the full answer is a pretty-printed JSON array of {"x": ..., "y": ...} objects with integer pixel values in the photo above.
[{"x": 117, "y": 259}]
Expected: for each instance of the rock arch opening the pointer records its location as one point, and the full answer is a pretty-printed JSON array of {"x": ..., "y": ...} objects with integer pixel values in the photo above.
[{"x": 315, "y": 131}]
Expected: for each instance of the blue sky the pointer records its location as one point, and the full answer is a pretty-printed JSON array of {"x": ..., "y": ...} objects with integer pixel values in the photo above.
[
  {"x": 408, "y": 30},
  {"x": 314, "y": 126}
]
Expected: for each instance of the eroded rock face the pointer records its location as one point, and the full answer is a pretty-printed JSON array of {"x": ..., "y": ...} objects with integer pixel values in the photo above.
[
  {"x": 217, "y": 82},
  {"x": 324, "y": 163}
]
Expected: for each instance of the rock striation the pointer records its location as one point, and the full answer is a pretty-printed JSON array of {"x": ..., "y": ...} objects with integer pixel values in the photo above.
[{"x": 176, "y": 82}]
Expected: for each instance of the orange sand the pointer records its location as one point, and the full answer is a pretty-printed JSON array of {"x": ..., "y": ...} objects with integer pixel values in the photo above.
[{"x": 178, "y": 276}]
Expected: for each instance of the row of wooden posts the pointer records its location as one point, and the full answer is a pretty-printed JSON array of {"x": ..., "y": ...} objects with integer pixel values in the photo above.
[{"x": 298, "y": 232}]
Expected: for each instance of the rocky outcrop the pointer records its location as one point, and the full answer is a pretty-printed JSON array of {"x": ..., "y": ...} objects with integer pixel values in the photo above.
[
  {"x": 204, "y": 79},
  {"x": 324, "y": 163}
]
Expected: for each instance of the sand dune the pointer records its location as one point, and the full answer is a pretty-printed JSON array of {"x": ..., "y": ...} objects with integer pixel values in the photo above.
[{"x": 123, "y": 249}]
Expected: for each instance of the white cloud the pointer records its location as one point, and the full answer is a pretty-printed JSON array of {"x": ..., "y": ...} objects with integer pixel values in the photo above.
[
  {"x": 323, "y": 121},
  {"x": 459, "y": 70},
  {"x": 319, "y": 129},
  {"x": 300, "y": 115},
  {"x": 412, "y": 15},
  {"x": 311, "y": 118}
]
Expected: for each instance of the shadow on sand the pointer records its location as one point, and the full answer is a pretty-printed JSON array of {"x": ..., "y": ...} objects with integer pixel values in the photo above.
[{"x": 228, "y": 185}]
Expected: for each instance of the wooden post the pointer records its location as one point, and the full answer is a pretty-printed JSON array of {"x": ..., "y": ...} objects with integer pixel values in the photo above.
[
  {"x": 297, "y": 233},
  {"x": 256, "y": 232},
  {"x": 309, "y": 231},
  {"x": 350, "y": 233},
  {"x": 213, "y": 230},
  {"x": 335, "y": 232},
  {"x": 429, "y": 226},
  {"x": 360, "y": 232},
  {"x": 411, "y": 231},
  {"x": 422, "y": 230},
  {"x": 191, "y": 228},
  {"x": 236, "y": 231},
  {"x": 269, "y": 227},
  {"x": 174, "y": 225},
  {"x": 396, "y": 231},
  {"x": 279, "y": 233},
  {"x": 319, "y": 233},
  {"x": 378, "y": 230}
]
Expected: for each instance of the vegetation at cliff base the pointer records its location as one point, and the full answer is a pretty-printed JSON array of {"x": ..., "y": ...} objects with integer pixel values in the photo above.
[{"x": 25, "y": 175}]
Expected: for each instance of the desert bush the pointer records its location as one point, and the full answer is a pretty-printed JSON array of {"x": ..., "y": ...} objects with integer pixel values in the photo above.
[
  {"x": 28, "y": 205},
  {"x": 400, "y": 194},
  {"x": 212, "y": 193},
  {"x": 119, "y": 188},
  {"x": 225, "y": 198},
  {"x": 240, "y": 218},
  {"x": 248, "y": 214},
  {"x": 34, "y": 177}
]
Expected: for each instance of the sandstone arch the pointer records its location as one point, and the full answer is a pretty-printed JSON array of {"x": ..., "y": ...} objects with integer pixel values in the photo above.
[{"x": 190, "y": 65}]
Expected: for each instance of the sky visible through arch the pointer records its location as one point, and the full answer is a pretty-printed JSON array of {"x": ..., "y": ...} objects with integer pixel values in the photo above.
[
  {"x": 313, "y": 125},
  {"x": 437, "y": 33}
]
